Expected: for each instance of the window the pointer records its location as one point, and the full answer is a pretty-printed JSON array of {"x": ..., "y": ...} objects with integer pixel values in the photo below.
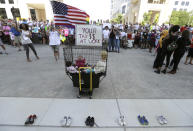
[
  {"x": 11, "y": 2},
  {"x": 185, "y": 9},
  {"x": 150, "y": 1},
  {"x": 176, "y": 2},
  {"x": 124, "y": 9},
  {"x": 33, "y": 14},
  {"x": 2, "y": 1},
  {"x": 181, "y": 9},
  {"x": 15, "y": 12},
  {"x": 187, "y": 3},
  {"x": 174, "y": 9},
  {"x": 3, "y": 13},
  {"x": 183, "y": 2}
]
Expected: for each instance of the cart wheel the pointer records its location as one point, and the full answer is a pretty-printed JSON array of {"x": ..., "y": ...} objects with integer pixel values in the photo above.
[
  {"x": 78, "y": 96},
  {"x": 90, "y": 97}
]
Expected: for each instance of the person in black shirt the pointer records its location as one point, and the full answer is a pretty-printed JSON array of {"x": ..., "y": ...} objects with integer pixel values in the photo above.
[
  {"x": 172, "y": 37},
  {"x": 112, "y": 39},
  {"x": 182, "y": 42}
]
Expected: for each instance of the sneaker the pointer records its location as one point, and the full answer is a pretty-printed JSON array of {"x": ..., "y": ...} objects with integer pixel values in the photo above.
[
  {"x": 145, "y": 121},
  {"x": 92, "y": 122},
  {"x": 1, "y": 53},
  {"x": 87, "y": 122},
  {"x": 69, "y": 121},
  {"x": 19, "y": 50},
  {"x": 64, "y": 121},
  {"x": 121, "y": 121},
  {"x": 141, "y": 121},
  {"x": 157, "y": 71},
  {"x": 163, "y": 71},
  {"x": 160, "y": 120}
]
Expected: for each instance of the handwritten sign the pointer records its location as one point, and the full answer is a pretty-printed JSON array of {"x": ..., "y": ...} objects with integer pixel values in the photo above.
[{"x": 89, "y": 35}]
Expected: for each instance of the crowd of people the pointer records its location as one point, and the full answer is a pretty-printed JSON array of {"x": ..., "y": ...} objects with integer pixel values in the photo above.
[
  {"x": 27, "y": 32},
  {"x": 164, "y": 41}
]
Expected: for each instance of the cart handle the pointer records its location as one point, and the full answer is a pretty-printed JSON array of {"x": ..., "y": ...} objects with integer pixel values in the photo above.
[{"x": 90, "y": 77}]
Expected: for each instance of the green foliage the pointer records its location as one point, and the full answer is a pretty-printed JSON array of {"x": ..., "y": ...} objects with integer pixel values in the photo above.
[
  {"x": 118, "y": 19},
  {"x": 156, "y": 19},
  {"x": 181, "y": 18},
  {"x": 147, "y": 17}
]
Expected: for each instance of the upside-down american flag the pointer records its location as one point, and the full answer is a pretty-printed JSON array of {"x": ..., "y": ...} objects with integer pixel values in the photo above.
[{"x": 68, "y": 15}]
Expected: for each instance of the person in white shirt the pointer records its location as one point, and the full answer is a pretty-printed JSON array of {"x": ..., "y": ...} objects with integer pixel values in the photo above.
[
  {"x": 54, "y": 37},
  {"x": 26, "y": 42},
  {"x": 106, "y": 33}
]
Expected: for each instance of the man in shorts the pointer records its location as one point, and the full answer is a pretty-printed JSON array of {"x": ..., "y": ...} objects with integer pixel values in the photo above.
[{"x": 17, "y": 34}]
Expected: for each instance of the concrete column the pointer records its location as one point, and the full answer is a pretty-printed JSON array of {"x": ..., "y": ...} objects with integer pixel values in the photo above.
[
  {"x": 23, "y": 9},
  {"x": 49, "y": 11}
]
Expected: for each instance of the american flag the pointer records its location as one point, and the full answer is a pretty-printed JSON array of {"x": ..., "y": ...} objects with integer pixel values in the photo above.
[{"x": 68, "y": 15}]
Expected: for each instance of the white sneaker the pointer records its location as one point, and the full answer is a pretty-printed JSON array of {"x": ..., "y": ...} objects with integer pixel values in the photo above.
[
  {"x": 64, "y": 121},
  {"x": 69, "y": 121}
]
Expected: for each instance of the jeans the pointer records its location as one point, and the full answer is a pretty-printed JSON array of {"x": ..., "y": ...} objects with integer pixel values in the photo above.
[
  {"x": 27, "y": 46},
  {"x": 111, "y": 44},
  {"x": 117, "y": 45}
]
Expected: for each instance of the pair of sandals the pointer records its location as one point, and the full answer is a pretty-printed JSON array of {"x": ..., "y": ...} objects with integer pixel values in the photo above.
[
  {"x": 66, "y": 122},
  {"x": 30, "y": 120},
  {"x": 90, "y": 121},
  {"x": 143, "y": 120},
  {"x": 162, "y": 120}
]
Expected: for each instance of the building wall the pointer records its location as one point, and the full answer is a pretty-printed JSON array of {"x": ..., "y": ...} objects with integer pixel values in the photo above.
[
  {"x": 44, "y": 11},
  {"x": 136, "y": 9}
]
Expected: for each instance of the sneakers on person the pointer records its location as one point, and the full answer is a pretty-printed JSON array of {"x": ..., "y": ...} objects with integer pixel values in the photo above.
[
  {"x": 19, "y": 50},
  {"x": 163, "y": 71},
  {"x": 157, "y": 71}
]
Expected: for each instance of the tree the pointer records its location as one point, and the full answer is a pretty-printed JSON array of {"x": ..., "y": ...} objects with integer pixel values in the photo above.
[
  {"x": 180, "y": 18},
  {"x": 156, "y": 19},
  {"x": 118, "y": 19},
  {"x": 147, "y": 17}
]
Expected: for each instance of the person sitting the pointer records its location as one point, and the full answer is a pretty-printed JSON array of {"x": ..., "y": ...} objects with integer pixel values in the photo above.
[
  {"x": 80, "y": 62},
  {"x": 71, "y": 68}
]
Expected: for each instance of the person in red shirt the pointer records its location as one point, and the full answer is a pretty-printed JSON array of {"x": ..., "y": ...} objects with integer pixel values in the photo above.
[
  {"x": 80, "y": 62},
  {"x": 190, "y": 54}
]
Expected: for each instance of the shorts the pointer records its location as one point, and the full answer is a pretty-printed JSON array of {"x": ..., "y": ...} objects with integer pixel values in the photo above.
[
  {"x": 55, "y": 48},
  {"x": 17, "y": 39},
  {"x": 190, "y": 53}
]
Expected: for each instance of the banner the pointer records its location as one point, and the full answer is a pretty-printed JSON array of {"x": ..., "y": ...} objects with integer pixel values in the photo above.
[{"x": 88, "y": 35}]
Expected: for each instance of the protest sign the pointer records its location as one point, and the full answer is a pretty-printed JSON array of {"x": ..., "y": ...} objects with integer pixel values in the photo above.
[{"x": 88, "y": 35}]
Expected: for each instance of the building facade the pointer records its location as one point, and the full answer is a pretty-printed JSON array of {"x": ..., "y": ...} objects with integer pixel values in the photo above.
[
  {"x": 34, "y": 9},
  {"x": 135, "y": 9}
]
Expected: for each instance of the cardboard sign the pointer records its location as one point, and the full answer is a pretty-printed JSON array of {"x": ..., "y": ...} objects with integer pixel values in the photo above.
[{"x": 88, "y": 35}]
